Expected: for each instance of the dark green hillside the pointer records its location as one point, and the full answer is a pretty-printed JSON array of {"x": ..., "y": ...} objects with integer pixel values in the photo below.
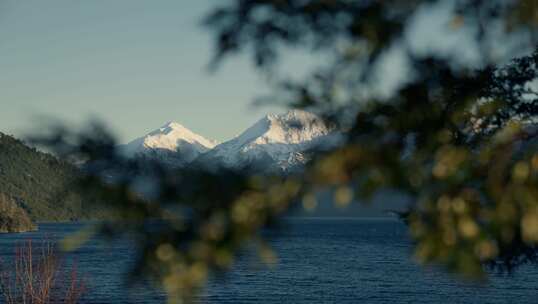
[
  {"x": 41, "y": 183},
  {"x": 12, "y": 217}
]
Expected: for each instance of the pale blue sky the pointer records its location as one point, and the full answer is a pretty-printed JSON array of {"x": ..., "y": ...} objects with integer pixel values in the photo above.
[{"x": 135, "y": 64}]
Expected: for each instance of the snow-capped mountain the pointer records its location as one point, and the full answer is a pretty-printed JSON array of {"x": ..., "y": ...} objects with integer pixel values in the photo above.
[
  {"x": 172, "y": 143},
  {"x": 277, "y": 141}
]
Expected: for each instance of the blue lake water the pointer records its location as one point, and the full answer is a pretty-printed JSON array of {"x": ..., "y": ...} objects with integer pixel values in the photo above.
[{"x": 320, "y": 261}]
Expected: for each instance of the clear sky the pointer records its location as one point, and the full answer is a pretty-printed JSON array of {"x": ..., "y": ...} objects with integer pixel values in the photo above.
[
  {"x": 134, "y": 64},
  {"x": 137, "y": 64}
]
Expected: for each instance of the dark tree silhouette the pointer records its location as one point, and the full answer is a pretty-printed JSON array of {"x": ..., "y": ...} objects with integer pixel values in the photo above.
[{"x": 512, "y": 85}]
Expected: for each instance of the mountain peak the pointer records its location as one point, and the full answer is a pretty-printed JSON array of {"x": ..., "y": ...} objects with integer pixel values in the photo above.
[
  {"x": 291, "y": 127},
  {"x": 172, "y": 142},
  {"x": 292, "y": 114},
  {"x": 280, "y": 139},
  {"x": 173, "y": 125},
  {"x": 176, "y": 128}
]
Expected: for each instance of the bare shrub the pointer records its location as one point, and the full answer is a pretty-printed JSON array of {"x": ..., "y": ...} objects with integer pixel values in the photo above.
[{"x": 37, "y": 276}]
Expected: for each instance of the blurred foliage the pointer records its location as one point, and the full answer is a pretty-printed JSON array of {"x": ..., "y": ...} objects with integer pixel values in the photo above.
[{"x": 457, "y": 138}]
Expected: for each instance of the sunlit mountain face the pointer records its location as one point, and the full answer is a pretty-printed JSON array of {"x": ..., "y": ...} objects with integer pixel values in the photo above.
[{"x": 277, "y": 142}]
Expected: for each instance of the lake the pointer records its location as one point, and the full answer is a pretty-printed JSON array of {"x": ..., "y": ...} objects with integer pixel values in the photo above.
[{"x": 320, "y": 261}]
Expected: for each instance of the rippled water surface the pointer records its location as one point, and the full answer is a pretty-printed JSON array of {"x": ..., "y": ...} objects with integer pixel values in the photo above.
[{"x": 320, "y": 261}]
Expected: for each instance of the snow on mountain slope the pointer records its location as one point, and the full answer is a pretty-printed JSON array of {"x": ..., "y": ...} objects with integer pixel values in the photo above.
[
  {"x": 172, "y": 143},
  {"x": 274, "y": 142}
]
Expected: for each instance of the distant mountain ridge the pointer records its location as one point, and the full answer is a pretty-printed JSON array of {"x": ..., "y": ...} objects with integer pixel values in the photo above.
[{"x": 276, "y": 142}]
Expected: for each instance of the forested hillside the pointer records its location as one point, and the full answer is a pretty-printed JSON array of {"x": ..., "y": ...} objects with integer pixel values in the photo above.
[
  {"x": 40, "y": 183},
  {"x": 12, "y": 217}
]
